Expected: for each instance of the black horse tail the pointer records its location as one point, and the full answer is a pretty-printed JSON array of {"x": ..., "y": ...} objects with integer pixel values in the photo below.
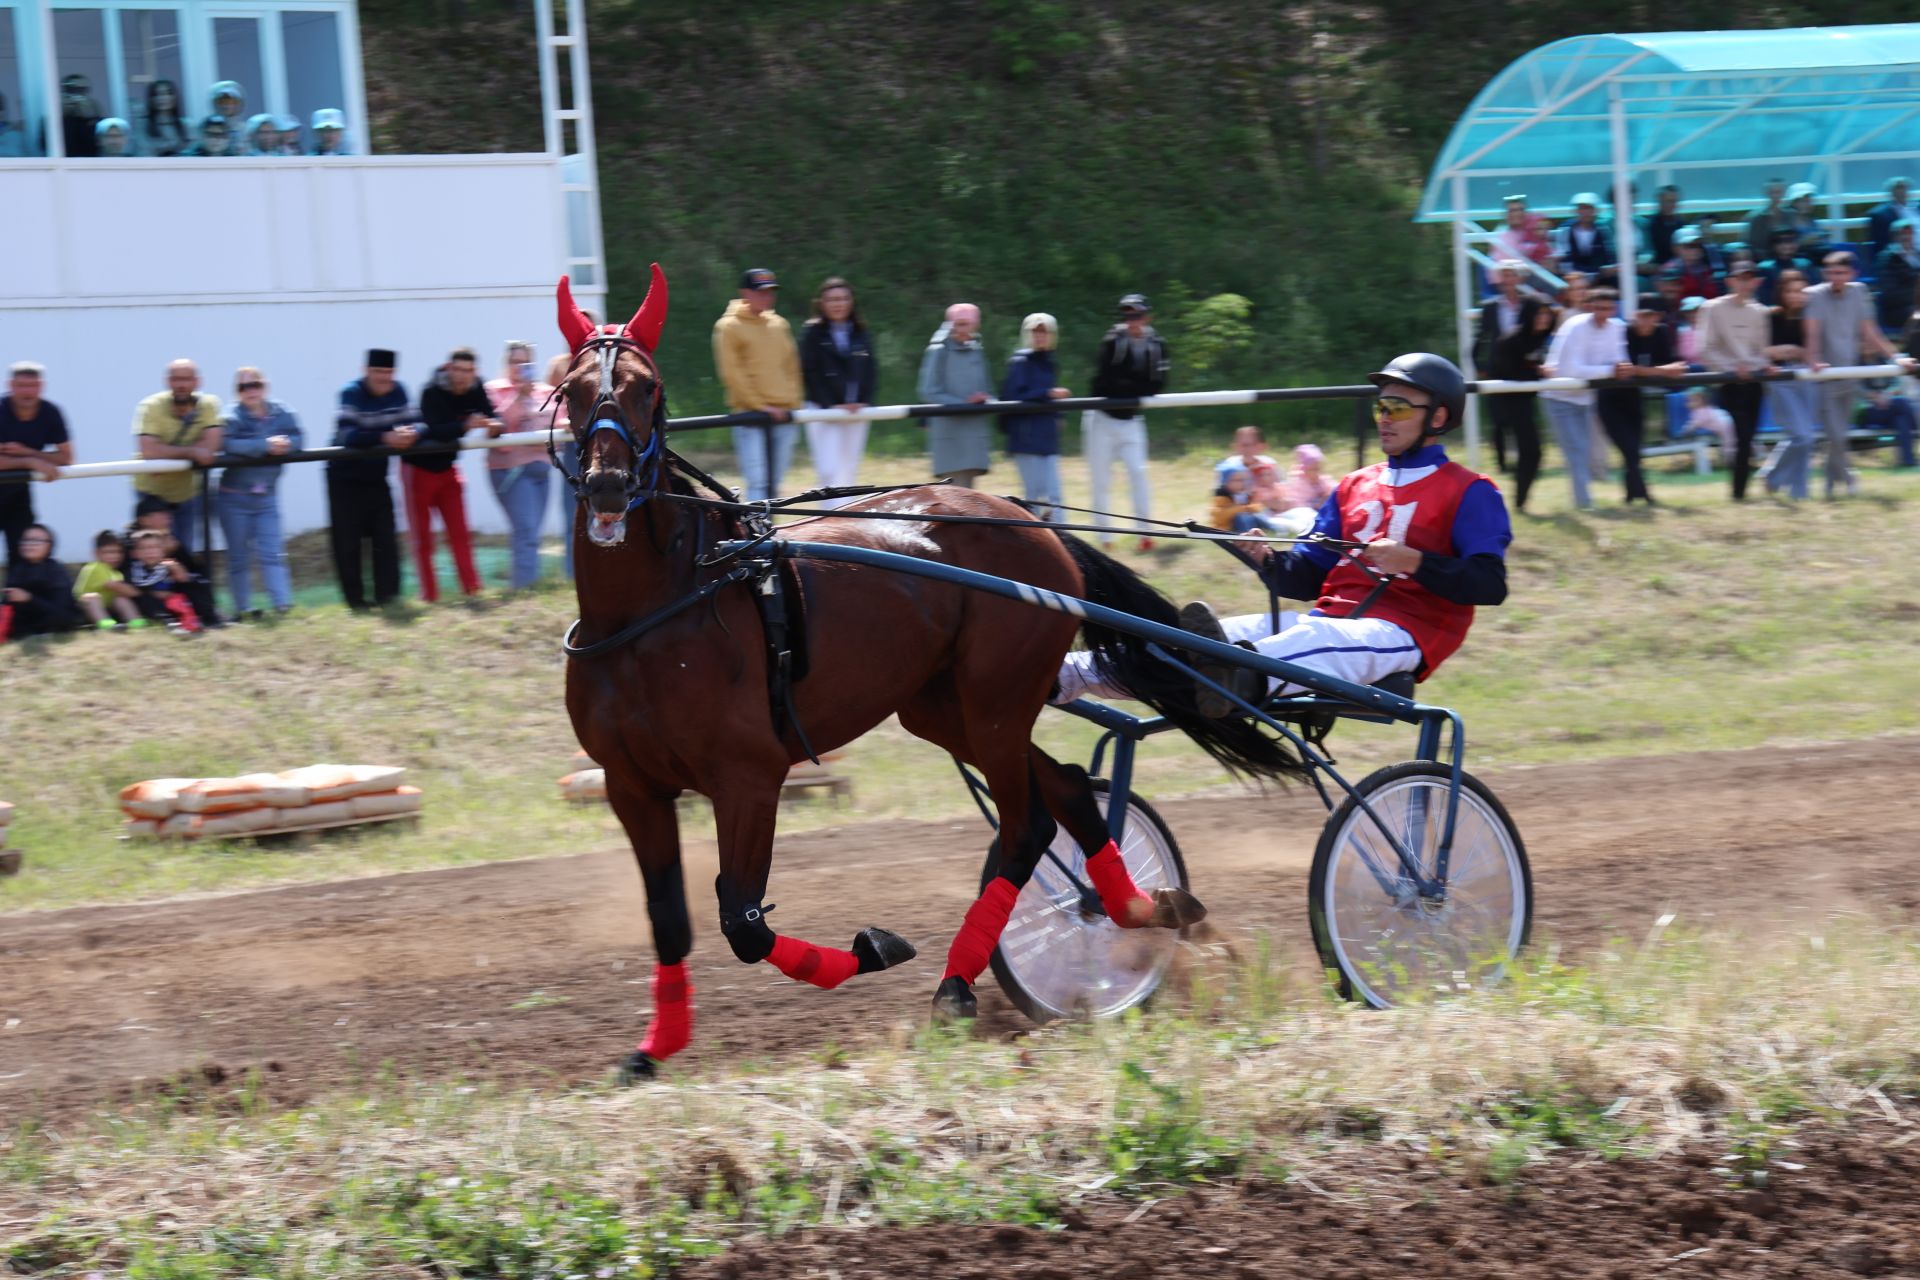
[{"x": 1236, "y": 742}]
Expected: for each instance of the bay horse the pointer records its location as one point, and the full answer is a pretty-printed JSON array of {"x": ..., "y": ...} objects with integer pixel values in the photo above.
[{"x": 685, "y": 705}]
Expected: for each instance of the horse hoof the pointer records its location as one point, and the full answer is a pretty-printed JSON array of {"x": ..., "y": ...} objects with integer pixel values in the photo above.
[
  {"x": 1176, "y": 909},
  {"x": 879, "y": 949},
  {"x": 954, "y": 1001},
  {"x": 636, "y": 1067}
]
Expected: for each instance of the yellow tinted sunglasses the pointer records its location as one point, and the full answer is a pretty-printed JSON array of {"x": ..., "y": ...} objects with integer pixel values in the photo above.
[{"x": 1394, "y": 409}]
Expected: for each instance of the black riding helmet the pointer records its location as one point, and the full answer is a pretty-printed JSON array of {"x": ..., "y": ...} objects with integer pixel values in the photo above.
[{"x": 1436, "y": 375}]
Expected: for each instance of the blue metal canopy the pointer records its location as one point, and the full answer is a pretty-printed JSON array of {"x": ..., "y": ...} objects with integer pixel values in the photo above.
[{"x": 1719, "y": 112}]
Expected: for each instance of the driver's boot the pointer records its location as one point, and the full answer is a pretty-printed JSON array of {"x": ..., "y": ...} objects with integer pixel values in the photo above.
[{"x": 1243, "y": 682}]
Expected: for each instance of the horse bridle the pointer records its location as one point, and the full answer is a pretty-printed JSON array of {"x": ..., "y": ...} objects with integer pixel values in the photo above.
[{"x": 643, "y": 481}]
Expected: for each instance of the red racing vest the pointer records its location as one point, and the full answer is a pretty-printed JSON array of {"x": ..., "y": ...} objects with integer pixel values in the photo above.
[{"x": 1418, "y": 515}]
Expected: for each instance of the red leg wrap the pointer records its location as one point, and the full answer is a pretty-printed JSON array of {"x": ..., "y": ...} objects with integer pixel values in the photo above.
[
  {"x": 672, "y": 1024},
  {"x": 980, "y": 931},
  {"x": 1118, "y": 893},
  {"x": 824, "y": 967}
]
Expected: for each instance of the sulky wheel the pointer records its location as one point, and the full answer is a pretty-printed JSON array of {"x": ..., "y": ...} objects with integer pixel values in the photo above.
[
  {"x": 1060, "y": 956},
  {"x": 1389, "y": 943}
]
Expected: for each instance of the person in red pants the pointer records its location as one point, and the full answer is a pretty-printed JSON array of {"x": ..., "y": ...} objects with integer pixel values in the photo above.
[{"x": 455, "y": 404}]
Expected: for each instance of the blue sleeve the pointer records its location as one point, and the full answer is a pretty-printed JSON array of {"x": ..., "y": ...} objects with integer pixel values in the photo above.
[
  {"x": 350, "y": 429},
  {"x": 1481, "y": 526},
  {"x": 238, "y": 442},
  {"x": 292, "y": 431}
]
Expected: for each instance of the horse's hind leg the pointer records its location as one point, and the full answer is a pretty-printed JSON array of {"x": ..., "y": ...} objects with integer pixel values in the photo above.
[
  {"x": 653, "y": 828},
  {"x": 1026, "y": 830},
  {"x": 1068, "y": 795},
  {"x": 744, "y": 818}
]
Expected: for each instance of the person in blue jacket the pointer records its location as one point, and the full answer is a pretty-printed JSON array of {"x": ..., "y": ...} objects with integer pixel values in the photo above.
[
  {"x": 1887, "y": 410},
  {"x": 249, "y": 508},
  {"x": 373, "y": 412},
  {"x": 1033, "y": 439}
]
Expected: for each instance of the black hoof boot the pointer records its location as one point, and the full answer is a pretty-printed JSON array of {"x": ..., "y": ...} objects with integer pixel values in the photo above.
[
  {"x": 954, "y": 1001},
  {"x": 1176, "y": 909},
  {"x": 878, "y": 949},
  {"x": 636, "y": 1067}
]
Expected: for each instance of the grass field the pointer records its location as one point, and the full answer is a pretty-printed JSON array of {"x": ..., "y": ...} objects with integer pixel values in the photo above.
[
  {"x": 1696, "y": 625},
  {"x": 1665, "y": 1044}
]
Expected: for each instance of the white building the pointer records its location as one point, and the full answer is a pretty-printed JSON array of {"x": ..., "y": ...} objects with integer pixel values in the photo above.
[{"x": 297, "y": 264}]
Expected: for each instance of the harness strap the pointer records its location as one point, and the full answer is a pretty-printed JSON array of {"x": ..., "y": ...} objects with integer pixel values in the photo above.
[{"x": 634, "y": 630}]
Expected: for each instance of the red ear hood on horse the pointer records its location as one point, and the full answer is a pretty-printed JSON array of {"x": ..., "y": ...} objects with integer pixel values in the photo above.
[
  {"x": 647, "y": 322},
  {"x": 574, "y": 325}
]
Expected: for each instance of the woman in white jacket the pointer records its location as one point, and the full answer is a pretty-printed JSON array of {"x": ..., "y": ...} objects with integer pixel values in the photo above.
[{"x": 1591, "y": 345}]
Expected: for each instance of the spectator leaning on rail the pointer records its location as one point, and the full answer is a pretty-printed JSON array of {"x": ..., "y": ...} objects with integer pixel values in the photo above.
[
  {"x": 1622, "y": 410},
  {"x": 954, "y": 370},
  {"x": 519, "y": 473},
  {"x": 453, "y": 404},
  {"x": 182, "y": 422},
  {"x": 255, "y": 427},
  {"x": 1840, "y": 329},
  {"x": 839, "y": 372},
  {"x": 1795, "y": 404},
  {"x": 33, "y": 438},
  {"x": 1132, "y": 362},
  {"x": 373, "y": 413},
  {"x": 1508, "y": 348},
  {"x": 1897, "y": 274},
  {"x": 1590, "y": 345},
  {"x": 1033, "y": 439},
  {"x": 1884, "y": 218},
  {"x": 1735, "y": 332},
  {"x": 1438, "y": 531},
  {"x": 759, "y": 368}
]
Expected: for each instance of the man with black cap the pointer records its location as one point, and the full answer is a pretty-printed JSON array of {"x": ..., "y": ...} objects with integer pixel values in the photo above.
[
  {"x": 1434, "y": 539},
  {"x": 373, "y": 412},
  {"x": 1132, "y": 363},
  {"x": 759, "y": 366}
]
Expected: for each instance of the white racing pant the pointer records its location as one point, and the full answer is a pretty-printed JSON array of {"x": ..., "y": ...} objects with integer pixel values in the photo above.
[{"x": 1362, "y": 650}]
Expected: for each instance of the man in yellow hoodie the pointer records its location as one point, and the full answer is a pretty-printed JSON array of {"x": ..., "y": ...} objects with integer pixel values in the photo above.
[{"x": 760, "y": 368}]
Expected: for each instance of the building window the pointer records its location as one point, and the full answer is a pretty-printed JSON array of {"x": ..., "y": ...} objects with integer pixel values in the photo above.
[
  {"x": 17, "y": 130},
  {"x": 236, "y": 57},
  {"x": 80, "y": 60},
  {"x": 152, "y": 74},
  {"x": 310, "y": 47}
]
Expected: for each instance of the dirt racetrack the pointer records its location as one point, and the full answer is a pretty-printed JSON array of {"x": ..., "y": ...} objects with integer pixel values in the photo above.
[{"x": 538, "y": 969}]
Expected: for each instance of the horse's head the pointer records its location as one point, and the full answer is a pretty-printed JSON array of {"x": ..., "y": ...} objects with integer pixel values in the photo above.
[{"x": 617, "y": 404}]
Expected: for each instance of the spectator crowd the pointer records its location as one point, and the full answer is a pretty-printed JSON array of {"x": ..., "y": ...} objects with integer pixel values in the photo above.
[
  {"x": 1778, "y": 290},
  {"x": 1552, "y": 311},
  {"x": 168, "y": 127}
]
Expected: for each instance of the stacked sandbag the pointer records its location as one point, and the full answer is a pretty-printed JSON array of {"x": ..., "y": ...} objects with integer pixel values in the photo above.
[
  {"x": 6, "y": 820},
  {"x": 321, "y": 795},
  {"x": 585, "y": 786}
]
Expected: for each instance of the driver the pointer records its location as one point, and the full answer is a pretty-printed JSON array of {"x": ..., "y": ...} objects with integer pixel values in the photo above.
[{"x": 1434, "y": 538}]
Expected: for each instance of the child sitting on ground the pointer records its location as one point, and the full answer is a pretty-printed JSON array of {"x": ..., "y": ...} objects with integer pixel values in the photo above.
[
  {"x": 161, "y": 582},
  {"x": 38, "y": 597},
  {"x": 102, "y": 590},
  {"x": 1704, "y": 418},
  {"x": 1305, "y": 485},
  {"x": 1235, "y": 510}
]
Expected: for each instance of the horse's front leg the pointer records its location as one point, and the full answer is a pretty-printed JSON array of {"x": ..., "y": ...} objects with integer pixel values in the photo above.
[
  {"x": 653, "y": 828},
  {"x": 744, "y": 817}
]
